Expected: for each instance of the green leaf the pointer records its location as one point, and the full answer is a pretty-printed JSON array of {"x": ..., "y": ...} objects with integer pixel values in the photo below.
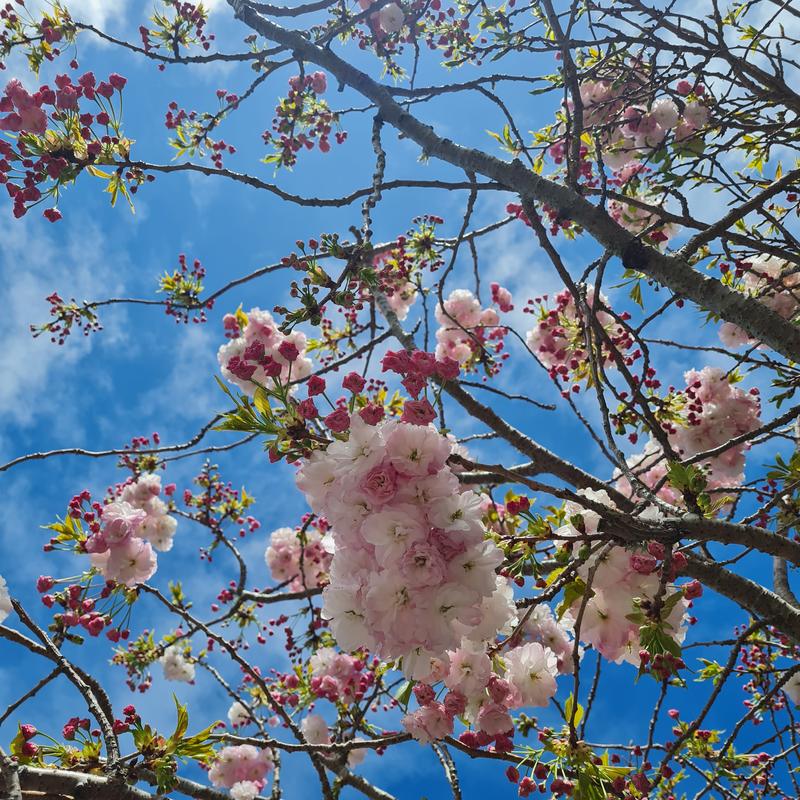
[
  {"x": 573, "y": 716},
  {"x": 572, "y": 592},
  {"x": 261, "y": 401},
  {"x": 183, "y": 721},
  {"x": 403, "y": 695}
]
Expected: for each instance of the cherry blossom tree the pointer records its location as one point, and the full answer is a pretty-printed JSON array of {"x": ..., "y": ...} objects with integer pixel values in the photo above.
[{"x": 455, "y": 590}]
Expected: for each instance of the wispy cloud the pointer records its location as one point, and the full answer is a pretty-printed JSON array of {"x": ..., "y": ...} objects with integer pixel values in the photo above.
[{"x": 33, "y": 264}]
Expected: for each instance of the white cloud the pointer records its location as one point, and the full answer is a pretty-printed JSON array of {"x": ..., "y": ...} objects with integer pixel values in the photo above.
[
  {"x": 189, "y": 392},
  {"x": 98, "y": 12},
  {"x": 34, "y": 265}
]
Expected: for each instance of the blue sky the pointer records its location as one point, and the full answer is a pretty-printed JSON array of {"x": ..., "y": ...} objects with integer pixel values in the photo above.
[{"x": 145, "y": 373}]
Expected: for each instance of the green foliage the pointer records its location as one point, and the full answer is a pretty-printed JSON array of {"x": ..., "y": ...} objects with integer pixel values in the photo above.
[
  {"x": 573, "y": 591},
  {"x": 162, "y": 754}
]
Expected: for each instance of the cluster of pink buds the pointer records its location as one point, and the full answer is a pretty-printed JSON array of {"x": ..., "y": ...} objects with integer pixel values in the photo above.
[
  {"x": 661, "y": 666},
  {"x": 558, "y": 338},
  {"x": 418, "y": 367},
  {"x": 67, "y": 315},
  {"x": 34, "y": 32},
  {"x": 301, "y": 120},
  {"x": 186, "y": 28},
  {"x": 136, "y": 461},
  {"x": 192, "y": 129},
  {"x": 72, "y": 144},
  {"x": 130, "y": 718},
  {"x": 558, "y": 151},
  {"x": 184, "y": 287},
  {"x": 74, "y": 726},
  {"x": 556, "y": 221}
]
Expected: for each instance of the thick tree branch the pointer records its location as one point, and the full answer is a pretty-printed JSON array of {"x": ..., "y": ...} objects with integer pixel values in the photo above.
[{"x": 670, "y": 270}]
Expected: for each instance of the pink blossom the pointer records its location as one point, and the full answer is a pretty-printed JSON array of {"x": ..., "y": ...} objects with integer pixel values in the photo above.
[
  {"x": 501, "y": 297},
  {"x": 428, "y": 724},
  {"x": 315, "y": 385},
  {"x": 531, "y": 671},
  {"x": 354, "y": 382},
  {"x": 319, "y": 82},
  {"x": 372, "y": 414},
  {"x": 240, "y": 763},
  {"x": 121, "y": 520},
  {"x": 131, "y": 562},
  {"x": 494, "y": 719},
  {"x": 338, "y": 421},
  {"x": 391, "y": 18},
  {"x": 422, "y": 565},
  {"x": 418, "y": 412},
  {"x": 380, "y": 484}
]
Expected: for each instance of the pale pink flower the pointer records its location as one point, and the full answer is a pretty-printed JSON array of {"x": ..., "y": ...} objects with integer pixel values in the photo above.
[
  {"x": 120, "y": 521},
  {"x": 531, "y": 670},
  {"x": 315, "y": 729},
  {"x": 417, "y": 449},
  {"x": 391, "y": 18},
  {"x": 470, "y": 669},
  {"x": 428, "y": 724},
  {"x": 240, "y": 763},
  {"x": 494, "y": 719}
]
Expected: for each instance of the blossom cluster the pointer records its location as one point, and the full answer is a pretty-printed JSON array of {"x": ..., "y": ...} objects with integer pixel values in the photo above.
[
  {"x": 411, "y": 567},
  {"x": 71, "y": 145},
  {"x": 66, "y": 316},
  {"x": 128, "y": 530},
  {"x": 619, "y": 579},
  {"x": 394, "y": 269},
  {"x": 176, "y": 666},
  {"x": 336, "y": 676},
  {"x": 260, "y": 353},
  {"x": 714, "y": 411},
  {"x": 481, "y": 689},
  {"x": 558, "y": 339},
  {"x": 302, "y": 119},
  {"x": 762, "y": 278},
  {"x": 642, "y": 214},
  {"x": 242, "y": 769},
  {"x": 470, "y": 334},
  {"x": 631, "y": 132},
  {"x": 185, "y": 27},
  {"x": 183, "y": 288},
  {"x": 298, "y": 557}
]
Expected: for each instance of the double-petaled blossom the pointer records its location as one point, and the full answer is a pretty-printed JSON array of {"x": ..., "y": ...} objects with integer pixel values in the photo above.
[
  {"x": 176, "y": 666},
  {"x": 411, "y": 568},
  {"x": 315, "y": 729},
  {"x": 531, "y": 671},
  {"x": 263, "y": 355},
  {"x": 24, "y": 110},
  {"x": 242, "y": 769},
  {"x": 132, "y": 527},
  {"x": 298, "y": 557},
  {"x": 238, "y": 715},
  {"x": 469, "y": 334},
  {"x": 712, "y": 410}
]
